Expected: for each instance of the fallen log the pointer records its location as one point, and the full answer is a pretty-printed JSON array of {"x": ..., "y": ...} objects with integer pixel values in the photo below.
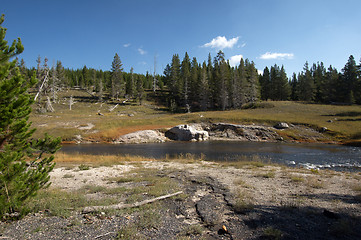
[{"x": 128, "y": 205}]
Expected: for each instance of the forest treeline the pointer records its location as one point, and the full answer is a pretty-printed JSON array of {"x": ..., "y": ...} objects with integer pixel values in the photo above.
[{"x": 211, "y": 85}]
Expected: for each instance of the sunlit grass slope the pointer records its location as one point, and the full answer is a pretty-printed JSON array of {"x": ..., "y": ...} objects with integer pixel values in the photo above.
[{"x": 94, "y": 121}]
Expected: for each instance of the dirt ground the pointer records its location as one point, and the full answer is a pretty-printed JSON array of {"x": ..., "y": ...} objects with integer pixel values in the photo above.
[{"x": 218, "y": 202}]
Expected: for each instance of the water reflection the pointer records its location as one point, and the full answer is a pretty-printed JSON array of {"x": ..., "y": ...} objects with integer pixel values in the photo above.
[{"x": 307, "y": 155}]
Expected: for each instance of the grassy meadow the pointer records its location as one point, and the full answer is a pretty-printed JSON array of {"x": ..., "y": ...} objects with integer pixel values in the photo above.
[{"x": 95, "y": 121}]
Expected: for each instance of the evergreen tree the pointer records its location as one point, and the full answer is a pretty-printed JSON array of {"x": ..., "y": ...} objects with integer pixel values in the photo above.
[
  {"x": 175, "y": 82},
  {"x": 140, "y": 89},
  {"x": 318, "y": 72},
  {"x": 167, "y": 75},
  {"x": 211, "y": 81},
  {"x": 60, "y": 73},
  {"x": 185, "y": 76},
  {"x": 221, "y": 78},
  {"x": 265, "y": 83},
  {"x": 194, "y": 82},
  {"x": 131, "y": 84},
  {"x": 252, "y": 92},
  {"x": 242, "y": 81},
  {"x": 204, "y": 89},
  {"x": 332, "y": 86},
  {"x": 19, "y": 179},
  {"x": 117, "y": 85},
  {"x": 236, "y": 90},
  {"x": 285, "y": 88},
  {"x": 294, "y": 85},
  {"x": 306, "y": 86},
  {"x": 349, "y": 80},
  {"x": 280, "y": 89}
]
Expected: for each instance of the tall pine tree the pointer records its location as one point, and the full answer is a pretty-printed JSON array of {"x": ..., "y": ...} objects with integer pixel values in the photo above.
[
  {"x": 117, "y": 84},
  {"x": 349, "y": 80},
  {"x": 19, "y": 179}
]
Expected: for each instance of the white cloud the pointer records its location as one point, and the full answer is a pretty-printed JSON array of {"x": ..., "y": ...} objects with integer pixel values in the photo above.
[
  {"x": 126, "y": 45},
  {"x": 269, "y": 55},
  {"x": 221, "y": 42},
  {"x": 141, "y": 51},
  {"x": 260, "y": 72},
  {"x": 234, "y": 60}
]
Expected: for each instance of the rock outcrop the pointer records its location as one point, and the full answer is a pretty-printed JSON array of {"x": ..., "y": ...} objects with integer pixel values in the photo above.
[
  {"x": 145, "y": 136},
  {"x": 221, "y": 131},
  {"x": 186, "y": 132},
  {"x": 204, "y": 132},
  {"x": 281, "y": 125}
]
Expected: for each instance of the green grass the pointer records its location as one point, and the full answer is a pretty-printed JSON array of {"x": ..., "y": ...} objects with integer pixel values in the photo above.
[
  {"x": 83, "y": 167},
  {"x": 269, "y": 174},
  {"x": 191, "y": 230},
  {"x": 243, "y": 202},
  {"x": 129, "y": 232},
  {"x": 272, "y": 233},
  {"x": 296, "y": 178},
  {"x": 56, "y": 202},
  {"x": 246, "y": 162}
]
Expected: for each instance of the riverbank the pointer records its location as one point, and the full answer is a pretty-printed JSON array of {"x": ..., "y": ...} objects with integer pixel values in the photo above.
[
  {"x": 92, "y": 121},
  {"x": 243, "y": 200},
  {"x": 228, "y": 132}
]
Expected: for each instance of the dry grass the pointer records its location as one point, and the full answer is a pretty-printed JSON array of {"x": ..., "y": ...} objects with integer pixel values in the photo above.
[
  {"x": 63, "y": 159},
  {"x": 341, "y": 121},
  {"x": 314, "y": 182},
  {"x": 267, "y": 174}
]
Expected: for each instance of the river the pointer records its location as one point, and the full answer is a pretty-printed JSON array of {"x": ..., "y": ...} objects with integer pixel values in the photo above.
[{"x": 307, "y": 155}]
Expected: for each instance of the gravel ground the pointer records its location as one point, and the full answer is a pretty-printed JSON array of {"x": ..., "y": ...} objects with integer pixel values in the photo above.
[{"x": 219, "y": 202}]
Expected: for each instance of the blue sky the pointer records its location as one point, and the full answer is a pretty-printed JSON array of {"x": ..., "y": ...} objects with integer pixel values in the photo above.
[{"x": 268, "y": 32}]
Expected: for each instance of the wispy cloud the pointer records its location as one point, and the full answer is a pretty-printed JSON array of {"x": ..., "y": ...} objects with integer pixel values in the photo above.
[
  {"x": 269, "y": 55},
  {"x": 221, "y": 42},
  {"x": 126, "y": 45},
  {"x": 234, "y": 60},
  {"x": 141, "y": 51}
]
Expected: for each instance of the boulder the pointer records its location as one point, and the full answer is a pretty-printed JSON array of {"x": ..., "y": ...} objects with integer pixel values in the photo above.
[
  {"x": 281, "y": 125},
  {"x": 145, "y": 136},
  {"x": 186, "y": 132},
  {"x": 323, "y": 129}
]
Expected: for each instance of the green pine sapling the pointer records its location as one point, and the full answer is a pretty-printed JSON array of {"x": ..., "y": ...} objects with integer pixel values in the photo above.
[{"x": 25, "y": 163}]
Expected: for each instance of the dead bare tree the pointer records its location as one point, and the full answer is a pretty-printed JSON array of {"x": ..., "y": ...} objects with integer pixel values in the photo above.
[
  {"x": 43, "y": 84},
  {"x": 71, "y": 102}
]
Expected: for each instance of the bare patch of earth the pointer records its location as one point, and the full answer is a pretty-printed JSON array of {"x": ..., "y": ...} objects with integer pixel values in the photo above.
[{"x": 219, "y": 202}]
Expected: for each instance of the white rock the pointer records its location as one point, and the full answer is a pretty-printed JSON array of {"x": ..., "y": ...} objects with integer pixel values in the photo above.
[
  {"x": 281, "y": 125},
  {"x": 186, "y": 132},
  {"x": 145, "y": 136}
]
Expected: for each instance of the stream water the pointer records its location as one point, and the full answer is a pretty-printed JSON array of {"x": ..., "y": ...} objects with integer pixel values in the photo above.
[{"x": 308, "y": 155}]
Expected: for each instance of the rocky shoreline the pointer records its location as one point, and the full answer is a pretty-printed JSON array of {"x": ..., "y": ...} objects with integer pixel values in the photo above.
[{"x": 221, "y": 131}]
